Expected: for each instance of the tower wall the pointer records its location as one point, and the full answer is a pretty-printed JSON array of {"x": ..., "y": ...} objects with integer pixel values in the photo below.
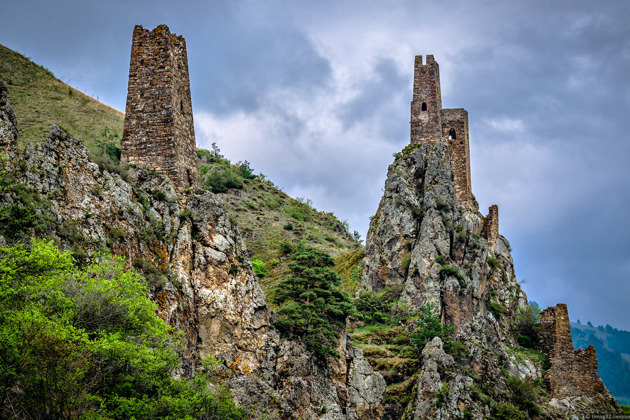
[
  {"x": 426, "y": 105},
  {"x": 455, "y": 129},
  {"x": 159, "y": 130}
]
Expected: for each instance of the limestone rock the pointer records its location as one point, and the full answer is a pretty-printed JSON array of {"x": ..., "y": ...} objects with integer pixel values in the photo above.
[{"x": 200, "y": 278}]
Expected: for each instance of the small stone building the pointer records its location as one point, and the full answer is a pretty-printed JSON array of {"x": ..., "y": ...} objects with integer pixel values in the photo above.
[{"x": 159, "y": 131}]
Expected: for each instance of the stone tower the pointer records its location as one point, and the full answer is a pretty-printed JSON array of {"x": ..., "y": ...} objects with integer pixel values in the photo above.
[
  {"x": 159, "y": 131},
  {"x": 430, "y": 123}
]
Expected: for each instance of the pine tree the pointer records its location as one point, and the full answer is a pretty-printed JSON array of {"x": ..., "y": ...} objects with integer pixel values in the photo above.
[{"x": 311, "y": 304}]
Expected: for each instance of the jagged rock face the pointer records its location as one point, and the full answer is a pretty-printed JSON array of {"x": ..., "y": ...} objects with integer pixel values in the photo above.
[
  {"x": 419, "y": 231},
  {"x": 210, "y": 291},
  {"x": 422, "y": 243},
  {"x": 8, "y": 124}
]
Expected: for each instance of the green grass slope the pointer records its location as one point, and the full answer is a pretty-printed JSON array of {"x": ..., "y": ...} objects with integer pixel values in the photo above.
[
  {"x": 272, "y": 223},
  {"x": 39, "y": 100}
]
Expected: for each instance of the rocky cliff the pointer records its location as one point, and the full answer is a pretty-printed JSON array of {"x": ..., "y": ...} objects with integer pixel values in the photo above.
[
  {"x": 427, "y": 248},
  {"x": 198, "y": 269}
]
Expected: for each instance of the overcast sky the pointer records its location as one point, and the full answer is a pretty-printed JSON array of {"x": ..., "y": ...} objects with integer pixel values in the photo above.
[{"x": 316, "y": 96}]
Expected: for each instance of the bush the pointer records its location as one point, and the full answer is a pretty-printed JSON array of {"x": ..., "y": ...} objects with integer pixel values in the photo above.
[
  {"x": 527, "y": 326},
  {"x": 219, "y": 179},
  {"x": 506, "y": 412},
  {"x": 260, "y": 268},
  {"x": 429, "y": 327},
  {"x": 493, "y": 263},
  {"x": 450, "y": 271},
  {"x": 87, "y": 343},
  {"x": 457, "y": 349},
  {"x": 311, "y": 304},
  {"x": 496, "y": 308},
  {"x": 372, "y": 308}
]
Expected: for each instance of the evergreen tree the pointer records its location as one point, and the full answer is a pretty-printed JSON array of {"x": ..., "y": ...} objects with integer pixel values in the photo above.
[{"x": 311, "y": 304}]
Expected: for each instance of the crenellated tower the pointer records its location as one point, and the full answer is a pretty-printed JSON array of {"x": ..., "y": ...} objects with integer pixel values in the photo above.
[
  {"x": 159, "y": 131},
  {"x": 430, "y": 123}
]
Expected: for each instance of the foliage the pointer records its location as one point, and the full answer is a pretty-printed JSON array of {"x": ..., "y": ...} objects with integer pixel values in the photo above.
[
  {"x": 260, "y": 268},
  {"x": 524, "y": 393},
  {"x": 440, "y": 396},
  {"x": 506, "y": 412},
  {"x": 450, "y": 271},
  {"x": 372, "y": 308},
  {"x": 87, "y": 343},
  {"x": 428, "y": 327},
  {"x": 527, "y": 325},
  {"x": 493, "y": 263},
  {"x": 109, "y": 144},
  {"x": 457, "y": 349},
  {"x": 311, "y": 304},
  {"x": 496, "y": 308},
  {"x": 27, "y": 214},
  {"x": 219, "y": 179}
]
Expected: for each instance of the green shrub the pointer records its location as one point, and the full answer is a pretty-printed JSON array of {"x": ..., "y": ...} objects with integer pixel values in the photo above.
[
  {"x": 286, "y": 248},
  {"x": 440, "y": 259},
  {"x": 372, "y": 308},
  {"x": 493, "y": 263},
  {"x": 457, "y": 349},
  {"x": 506, "y": 412},
  {"x": 441, "y": 395},
  {"x": 450, "y": 271},
  {"x": 527, "y": 326},
  {"x": 87, "y": 343},
  {"x": 298, "y": 211},
  {"x": 428, "y": 327},
  {"x": 260, "y": 268},
  {"x": 496, "y": 308},
  {"x": 404, "y": 264},
  {"x": 220, "y": 179}
]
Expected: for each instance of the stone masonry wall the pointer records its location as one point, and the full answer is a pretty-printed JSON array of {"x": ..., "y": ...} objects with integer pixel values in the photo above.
[
  {"x": 572, "y": 373},
  {"x": 455, "y": 129},
  {"x": 430, "y": 124},
  {"x": 425, "y": 124},
  {"x": 159, "y": 130},
  {"x": 490, "y": 229}
]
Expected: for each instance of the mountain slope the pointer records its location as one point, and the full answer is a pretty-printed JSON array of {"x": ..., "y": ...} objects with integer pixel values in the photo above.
[{"x": 39, "y": 100}]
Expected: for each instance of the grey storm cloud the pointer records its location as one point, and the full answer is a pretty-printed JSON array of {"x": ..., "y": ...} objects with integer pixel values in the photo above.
[{"x": 316, "y": 96}]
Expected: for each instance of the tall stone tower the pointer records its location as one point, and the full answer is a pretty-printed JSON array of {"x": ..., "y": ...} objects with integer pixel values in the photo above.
[
  {"x": 430, "y": 123},
  {"x": 159, "y": 131}
]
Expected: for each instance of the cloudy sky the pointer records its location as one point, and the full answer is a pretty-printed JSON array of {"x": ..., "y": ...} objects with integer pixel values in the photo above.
[{"x": 316, "y": 96}]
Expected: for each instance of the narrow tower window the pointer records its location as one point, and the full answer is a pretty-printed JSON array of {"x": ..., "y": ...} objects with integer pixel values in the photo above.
[
  {"x": 451, "y": 134},
  {"x": 424, "y": 106}
]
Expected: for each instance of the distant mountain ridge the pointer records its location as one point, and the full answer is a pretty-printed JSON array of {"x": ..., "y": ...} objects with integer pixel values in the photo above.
[{"x": 613, "y": 355}]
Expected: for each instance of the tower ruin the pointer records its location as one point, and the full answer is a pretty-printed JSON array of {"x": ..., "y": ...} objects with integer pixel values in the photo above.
[
  {"x": 430, "y": 123},
  {"x": 159, "y": 131}
]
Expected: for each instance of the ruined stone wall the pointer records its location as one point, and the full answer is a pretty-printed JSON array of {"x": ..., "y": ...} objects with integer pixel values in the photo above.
[
  {"x": 455, "y": 129},
  {"x": 490, "y": 229},
  {"x": 427, "y": 102},
  {"x": 572, "y": 373},
  {"x": 159, "y": 130}
]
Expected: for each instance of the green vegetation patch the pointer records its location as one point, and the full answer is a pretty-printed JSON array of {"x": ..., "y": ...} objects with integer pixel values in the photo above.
[{"x": 87, "y": 343}]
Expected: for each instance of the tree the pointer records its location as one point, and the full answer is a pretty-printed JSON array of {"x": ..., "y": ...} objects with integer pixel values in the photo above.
[
  {"x": 428, "y": 327},
  {"x": 311, "y": 304}
]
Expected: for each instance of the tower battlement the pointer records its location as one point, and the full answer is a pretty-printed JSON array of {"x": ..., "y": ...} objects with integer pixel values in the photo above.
[
  {"x": 159, "y": 131},
  {"x": 430, "y": 123}
]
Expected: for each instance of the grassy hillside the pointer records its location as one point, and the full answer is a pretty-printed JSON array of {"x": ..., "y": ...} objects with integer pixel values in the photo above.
[
  {"x": 39, "y": 100},
  {"x": 272, "y": 223}
]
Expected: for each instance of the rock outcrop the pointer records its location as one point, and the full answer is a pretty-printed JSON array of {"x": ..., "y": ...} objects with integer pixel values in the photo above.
[
  {"x": 198, "y": 271},
  {"x": 428, "y": 248}
]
